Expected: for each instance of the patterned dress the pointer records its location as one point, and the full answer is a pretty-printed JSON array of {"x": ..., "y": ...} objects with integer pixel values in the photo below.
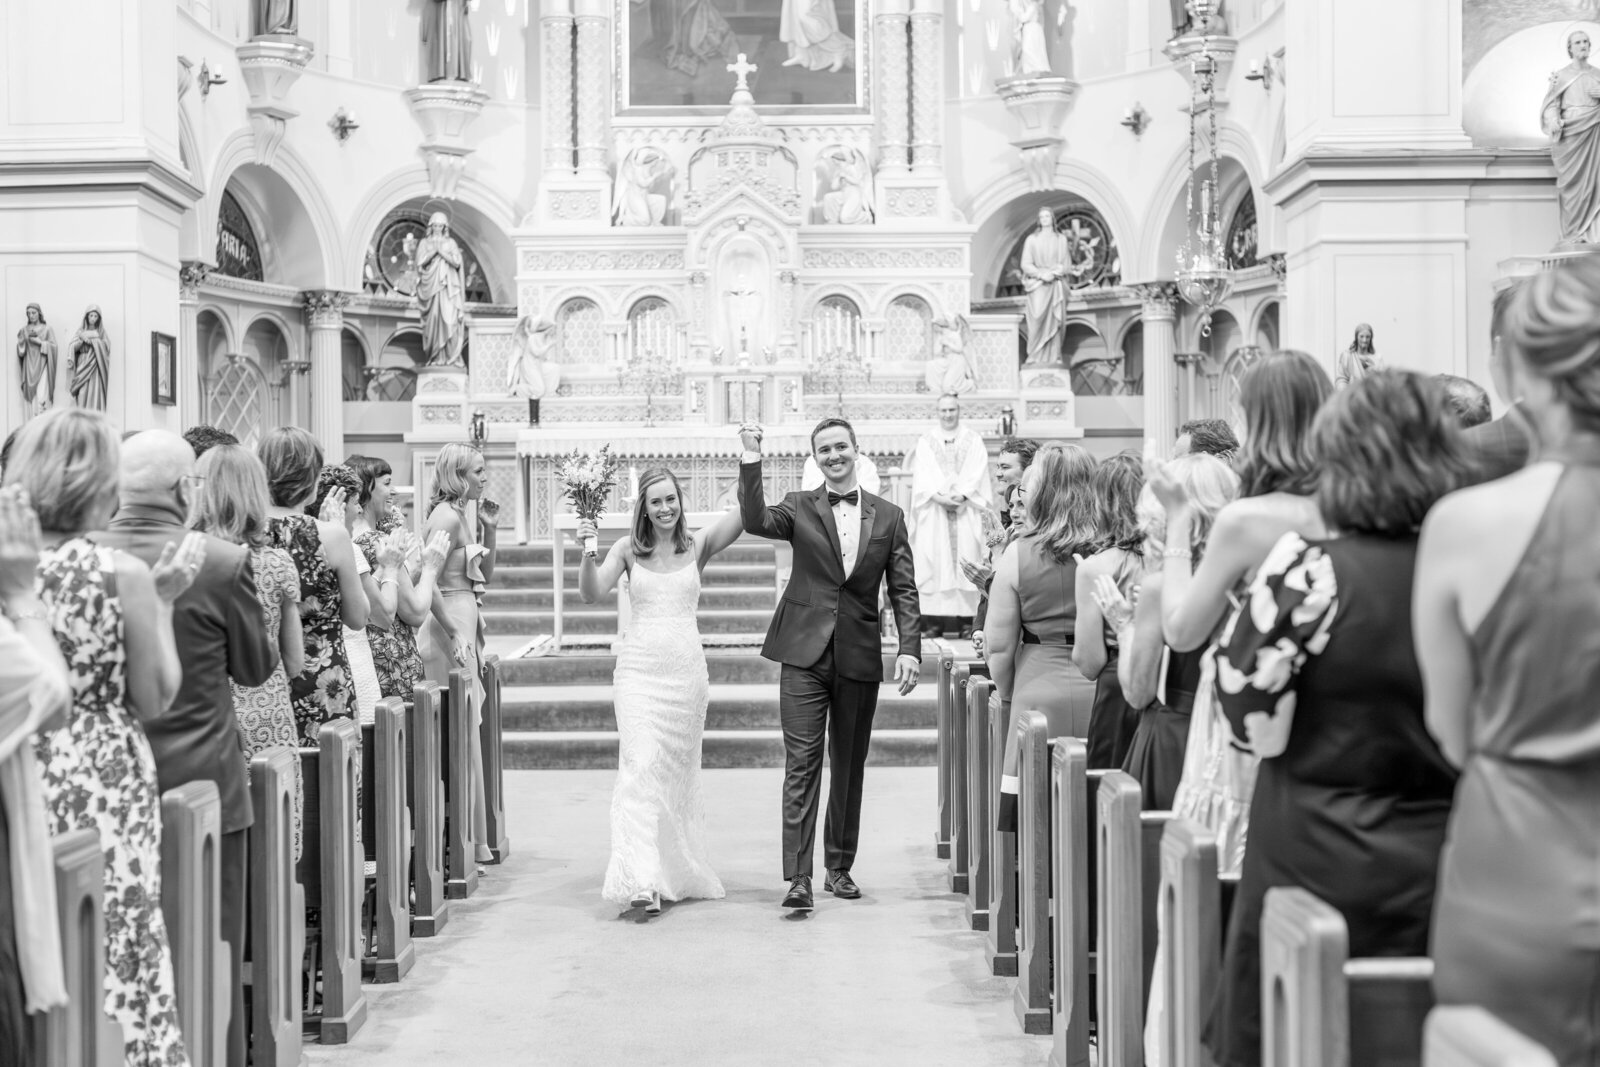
[
  {"x": 99, "y": 775},
  {"x": 323, "y": 690},
  {"x": 394, "y": 651},
  {"x": 266, "y": 716}
]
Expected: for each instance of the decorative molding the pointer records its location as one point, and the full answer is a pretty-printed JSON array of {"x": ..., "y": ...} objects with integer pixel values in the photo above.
[
  {"x": 1278, "y": 264},
  {"x": 1159, "y": 299},
  {"x": 884, "y": 258},
  {"x": 270, "y": 66},
  {"x": 325, "y": 308},
  {"x": 576, "y": 205},
  {"x": 445, "y": 111},
  {"x": 576, "y": 261},
  {"x": 191, "y": 275}
]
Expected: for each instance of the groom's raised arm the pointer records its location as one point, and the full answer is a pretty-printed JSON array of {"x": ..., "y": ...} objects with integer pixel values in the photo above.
[{"x": 775, "y": 522}]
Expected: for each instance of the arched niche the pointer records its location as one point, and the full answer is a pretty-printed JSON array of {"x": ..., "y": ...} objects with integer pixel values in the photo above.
[
  {"x": 652, "y": 329},
  {"x": 394, "y": 375},
  {"x": 1094, "y": 369},
  {"x": 1181, "y": 221},
  {"x": 1132, "y": 349},
  {"x": 997, "y": 246},
  {"x": 290, "y": 252},
  {"x": 580, "y": 333},
  {"x": 353, "y": 364},
  {"x": 489, "y": 260},
  {"x": 1268, "y": 327},
  {"x": 907, "y": 328}
]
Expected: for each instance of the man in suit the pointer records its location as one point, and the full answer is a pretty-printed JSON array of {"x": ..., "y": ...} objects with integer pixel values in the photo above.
[
  {"x": 222, "y": 633},
  {"x": 825, "y": 633},
  {"x": 1501, "y": 446}
]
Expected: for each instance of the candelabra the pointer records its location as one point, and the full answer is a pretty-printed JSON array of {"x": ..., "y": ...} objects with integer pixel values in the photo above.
[
  {"x": 650, "y": 373},
  {"x": 839, "y": 368}
]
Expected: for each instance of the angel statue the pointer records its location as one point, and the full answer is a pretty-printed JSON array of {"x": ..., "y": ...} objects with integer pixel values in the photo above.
[
  {"x": 532, "y": 375},
  {"x": 36, "y": 351},
  {"x": 644, "y": 182},
  {"x": 848, "y": 179},
  {"x": 950, "y": 374}
]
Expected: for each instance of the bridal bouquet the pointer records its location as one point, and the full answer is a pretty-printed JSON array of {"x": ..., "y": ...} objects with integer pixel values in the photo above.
[{"x": 588, "y": 479}]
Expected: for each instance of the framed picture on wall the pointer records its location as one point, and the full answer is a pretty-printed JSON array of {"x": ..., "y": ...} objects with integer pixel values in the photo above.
[{"x": 163, "y": 369}]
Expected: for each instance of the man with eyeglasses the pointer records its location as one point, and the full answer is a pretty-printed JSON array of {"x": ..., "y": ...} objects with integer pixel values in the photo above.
[{"x": 219, "y": 625}]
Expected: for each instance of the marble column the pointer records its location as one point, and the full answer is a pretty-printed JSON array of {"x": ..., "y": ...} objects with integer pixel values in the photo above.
[
  {"x": 325, "y": 315},
  {"x": 1160, "y": 316},
  {"x": 557, "y": 27},
  {"x": 893, "y": 62},
  {"x": 191, "y": 372},
  {"x": 927, "y": 85},
  {"x": 594, "y": 85}
]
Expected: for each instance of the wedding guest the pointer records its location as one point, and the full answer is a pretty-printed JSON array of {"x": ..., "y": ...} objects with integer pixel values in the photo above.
[
  {"x": 1501, "y": 446},
  {"x": 112, "y": 619},
  {"x": 1319, "y": 680},
  {"x": 338, "y": 502},
  {"x": 34, "y": 696},
  {"x": 1160, "y": 681},
  {"x": 1032, "y": 612},
  {"x": 1112, "y": 720},
  {"x": 232, "y": 505},
  {"x": 1211, "y": 436},
  {"x": 204, "y": 438},
  {"x": 1507, "y": 610},
  {"x": 330, "y": 587},
  {"x": 1465, "y": 399},
  {"x": 1016, "y": 455},
  {"x": 453, "y": 636}
]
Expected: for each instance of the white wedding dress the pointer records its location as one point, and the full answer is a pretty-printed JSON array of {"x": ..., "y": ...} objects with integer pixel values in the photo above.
[{"x": 661, "y": 688}]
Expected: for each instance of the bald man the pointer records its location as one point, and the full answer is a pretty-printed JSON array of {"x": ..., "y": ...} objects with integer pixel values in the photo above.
[{"x": 220, "y": 628}]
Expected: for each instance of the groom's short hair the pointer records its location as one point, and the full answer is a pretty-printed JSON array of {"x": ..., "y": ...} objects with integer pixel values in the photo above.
[{"x": 829, "y": 423}]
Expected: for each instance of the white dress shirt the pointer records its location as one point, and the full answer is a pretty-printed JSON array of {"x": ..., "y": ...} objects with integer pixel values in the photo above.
[{"x": 847, "y": 517}]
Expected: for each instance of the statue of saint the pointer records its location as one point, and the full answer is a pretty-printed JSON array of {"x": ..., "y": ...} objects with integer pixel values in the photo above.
[
  {"x": 1571, "y": 114},
  {"x": 442, "y": 294},
  {"x": 644, "y": 179},
  {"x": 89, "y": 361},
  {"x": 1050, "y": 261},
  {"x": 950, "y": 373},
  {"x": 532, "y": 376},
  {"x": 36, "y": 350},
  {"x": 1029, "y": 53},
  {"x": 1197, "y": 19},
  {"x": 446, "y": 41},
  {"x": 276, "y": 17},
  {"x": 848, "y": 177},
  {"x": 811, "y": 30},
  {"x": 1357, "y": 361}
]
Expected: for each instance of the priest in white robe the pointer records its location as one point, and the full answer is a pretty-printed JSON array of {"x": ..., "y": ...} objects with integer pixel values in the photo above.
[{"x": 950, "y": 492}]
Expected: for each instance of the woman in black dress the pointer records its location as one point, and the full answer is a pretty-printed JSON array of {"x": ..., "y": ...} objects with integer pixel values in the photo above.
[
  {"x": 1112, "y": 721},
  {"x": 1319, "y": 679}
]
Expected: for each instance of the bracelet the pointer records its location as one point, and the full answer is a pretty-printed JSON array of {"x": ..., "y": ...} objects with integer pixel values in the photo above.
[
  {"x": 388, "y": 581},
  {"x": 1185, "y": 554}
]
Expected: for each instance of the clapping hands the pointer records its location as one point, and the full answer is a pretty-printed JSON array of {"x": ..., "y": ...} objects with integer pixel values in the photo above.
[
  {"x": 1117, "y": 609},
  {"x": 435, "y": 551},
  {"x": 332, "y": 511},
  {"x": 1166, "y": 486},
  {"x": 20, "y": 543},
  {"x": 177, "y": 567}
]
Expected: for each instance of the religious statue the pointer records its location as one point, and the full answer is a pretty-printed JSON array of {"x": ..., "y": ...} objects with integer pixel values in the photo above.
[
  {"x": 276, "y": 17},
  {"x": 848, "y": 177},
  {"x": 950, "y": 372},
  {"x": 1029, "y": 53},
  {"x": 442, "y": 294},
  {"x": 1051, "y": 261},
  {"x": 89, "y": 361},
  {"x": 644, "y": 182},
  {"x": 1197, "y": 18},
  {"x": 811, "y": 30},
  {"x": 532, "y": 375},
  {"x": 446, "y": 41},
  {"x": 1571, "y": 115},
  {"x": 36, "y": 350},
  {"x": 1357, "y": 361}
]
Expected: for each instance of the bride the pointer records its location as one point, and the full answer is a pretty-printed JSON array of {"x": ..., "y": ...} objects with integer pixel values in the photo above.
[{"x": 661, "y": 690}]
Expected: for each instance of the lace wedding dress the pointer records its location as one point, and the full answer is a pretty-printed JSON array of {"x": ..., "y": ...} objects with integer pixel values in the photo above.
[{"x": 661, "y": 689}]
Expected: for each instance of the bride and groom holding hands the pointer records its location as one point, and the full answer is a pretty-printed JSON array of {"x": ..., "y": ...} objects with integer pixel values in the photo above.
[{"x": 847, "y": 544}]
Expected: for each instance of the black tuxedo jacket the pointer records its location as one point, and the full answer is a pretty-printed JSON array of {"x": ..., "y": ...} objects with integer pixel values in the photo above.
[
  {"x": 221, "y": 633},
  {"x": 821, "y": 602}
]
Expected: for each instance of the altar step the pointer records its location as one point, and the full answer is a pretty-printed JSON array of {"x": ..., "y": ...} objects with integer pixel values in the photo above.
[
  {"x": 751, "y": 550},
  {"x": 556, "y": 708},
  {"x": 716, "y": 597},
  {"x": 718, "y": 573},
  {"x": 725, "y": 668},
  {"x": 593, "y": 750}
]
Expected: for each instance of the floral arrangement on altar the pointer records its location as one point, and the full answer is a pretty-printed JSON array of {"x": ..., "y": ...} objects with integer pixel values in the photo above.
[{"x": 588, "y": 479}]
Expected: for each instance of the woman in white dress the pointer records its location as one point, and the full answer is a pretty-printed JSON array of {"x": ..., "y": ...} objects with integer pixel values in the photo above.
[{"x": 661, "y": 688}]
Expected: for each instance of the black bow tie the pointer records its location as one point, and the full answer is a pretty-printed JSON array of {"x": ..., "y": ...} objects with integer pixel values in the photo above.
[{"x": 852, "y": 497}]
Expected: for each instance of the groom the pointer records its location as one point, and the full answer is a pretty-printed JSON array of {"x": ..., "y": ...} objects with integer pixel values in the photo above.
[{"x": 825, "y": 633}]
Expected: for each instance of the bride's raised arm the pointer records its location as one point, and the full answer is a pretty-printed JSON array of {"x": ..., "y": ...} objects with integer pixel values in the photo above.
[
  {"x": 718, "y": 536},
  {"x": 598, "y": 579}
]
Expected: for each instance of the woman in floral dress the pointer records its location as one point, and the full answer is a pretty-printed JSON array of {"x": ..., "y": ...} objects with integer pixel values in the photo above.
[
  {"x": 232, "y": 505},
  {"x": 112, "y": 618},
  {"x": 338, "y": 501},
  {"x": 330, "y": 588}
]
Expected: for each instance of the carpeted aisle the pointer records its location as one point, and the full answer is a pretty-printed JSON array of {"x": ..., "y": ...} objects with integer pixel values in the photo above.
[{"x": 536, "y": 969}]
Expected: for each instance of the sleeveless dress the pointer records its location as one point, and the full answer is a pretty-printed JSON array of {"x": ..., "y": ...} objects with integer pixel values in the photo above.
[
  {"x": 661, "y": 687},
  {"x": 266, "y": 717},
  {"x": 99, "y": 774},
  {"x": 363, "y": 673},
  {"x": 1112, "y": 721},
  {"x": 1517, "y": 924},
  {"x": 1155, "y": 756},
  {"x": 1320, "y": 680},
  {"x": 323, "y": 691},
  {"x": 394, "y": 651}
]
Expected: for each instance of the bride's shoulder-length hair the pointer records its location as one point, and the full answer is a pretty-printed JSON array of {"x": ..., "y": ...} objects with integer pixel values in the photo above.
[{"x": 644, "y": 530}]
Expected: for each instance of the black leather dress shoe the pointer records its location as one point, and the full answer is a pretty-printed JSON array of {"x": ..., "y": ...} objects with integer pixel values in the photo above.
[
  {"x": 799, "y": 895},
  {"x": 841, "y": 885}
]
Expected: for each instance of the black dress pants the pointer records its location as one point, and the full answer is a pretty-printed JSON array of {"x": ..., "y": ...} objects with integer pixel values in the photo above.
[
  {"x": 235, "y": 860},
  {"x": 814, "y": 702},
  {"x": 14, "y": 1032}
]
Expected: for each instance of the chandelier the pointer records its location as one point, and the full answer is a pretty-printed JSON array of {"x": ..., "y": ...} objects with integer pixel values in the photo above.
[{"x": 1204, "y": 280}]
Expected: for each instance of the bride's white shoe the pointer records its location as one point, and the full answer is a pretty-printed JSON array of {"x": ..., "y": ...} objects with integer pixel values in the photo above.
[{"x": 649, "y": 900}]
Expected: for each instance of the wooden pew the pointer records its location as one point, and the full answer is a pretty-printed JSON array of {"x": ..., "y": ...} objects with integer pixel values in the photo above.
[
  {"x": 1193, "y": 904},
  {"x": 430, "y": 911},
  {"x": 191, "y": 904},
  {"x": 1462, "y": 1036},
  {"x": 958, "y": 811},
  {"x": 277, "y": 911},
  {"x": 1033, "y": 873},
  {"x": 494, "y": 760},
  {"x": 1129, "y": 865},
  {"x": 978, "y": 826},
  {"x": 1322, "y": 1009},
  {"x": 331, "y": 873},
  {"x": 1069, "y": 861},
  {"x": 1001, "y": 943},
  {"x": 460, "y": 858},
  {"x": 944, "y": 719},
  {"x": 79, "y": 1034},
  {"x": 387, "y": 839}
]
